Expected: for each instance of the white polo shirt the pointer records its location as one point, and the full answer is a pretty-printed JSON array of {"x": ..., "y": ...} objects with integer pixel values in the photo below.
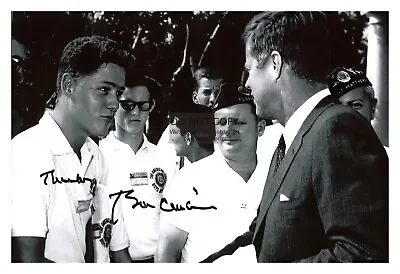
[
  {"x": 141, "y": 177},
  {"x": 52, "y": 194},
  {"x": 209, "y": 183}
]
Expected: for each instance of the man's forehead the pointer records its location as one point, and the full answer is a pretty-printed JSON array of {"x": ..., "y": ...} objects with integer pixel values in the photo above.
[
  {"x": 357, "y": 93},
  {"x": 136, "y": 91},
  {"x": 250, "y": 61},
  {"x": 239, "y": 110},
  {"x": 110, "y": 74},
  {"x": 210, "y": 83}
]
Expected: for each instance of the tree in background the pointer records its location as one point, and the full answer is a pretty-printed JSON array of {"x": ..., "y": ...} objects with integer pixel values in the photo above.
[{"x": 159, "y": 40}]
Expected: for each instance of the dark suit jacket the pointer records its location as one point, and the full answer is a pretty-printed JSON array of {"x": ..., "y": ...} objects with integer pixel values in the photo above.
[{"x": 335, "y": 174}]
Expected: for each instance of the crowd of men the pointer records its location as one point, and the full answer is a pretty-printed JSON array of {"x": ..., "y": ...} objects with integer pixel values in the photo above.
[{"x": 281, "y": 165}]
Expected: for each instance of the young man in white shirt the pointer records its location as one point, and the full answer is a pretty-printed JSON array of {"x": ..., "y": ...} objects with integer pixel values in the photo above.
[
  {"x": 58, "y": 172},
  {"x": 215, "y": 198},
  {"x": 137, "y": 176}
]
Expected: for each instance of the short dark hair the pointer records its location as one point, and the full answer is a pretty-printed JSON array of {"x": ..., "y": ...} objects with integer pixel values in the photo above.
[
  {"x": 302, "y": 39},
  {"x": 206, "y": 72},
  {"x": 84, "y": 55},
  {"x": 134, "y": 79},
  {"x": 199, "y": 121}
]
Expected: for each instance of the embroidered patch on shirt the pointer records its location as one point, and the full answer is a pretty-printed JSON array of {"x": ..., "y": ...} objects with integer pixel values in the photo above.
[{"x": 138, "y": 178}]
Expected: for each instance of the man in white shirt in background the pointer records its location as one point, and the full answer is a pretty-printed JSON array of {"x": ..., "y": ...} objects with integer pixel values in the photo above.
[
  {"x": 58, "y": 172},
  {"x": 214, "y": 199},
  {"x": 136, "y": 176}
]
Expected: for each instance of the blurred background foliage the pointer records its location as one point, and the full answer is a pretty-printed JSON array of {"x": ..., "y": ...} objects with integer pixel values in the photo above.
[{"x": 158, "y": 40}]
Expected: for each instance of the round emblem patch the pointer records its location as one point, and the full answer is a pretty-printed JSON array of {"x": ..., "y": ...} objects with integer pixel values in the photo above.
[
  {"x": 159, "y": 178},
  {"x": 106, "y": 226},
  {"x": 103, "y": 231},
  {"x": 343, "y": 76}
]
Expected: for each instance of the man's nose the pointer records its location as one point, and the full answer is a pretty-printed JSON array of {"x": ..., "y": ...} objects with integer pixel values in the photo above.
[
  {"x": 211, "y": 101},
  {"x": 136, "y": 110},
  {"x": 247, "y": 84},
  {"x": 112, "y": 102}
]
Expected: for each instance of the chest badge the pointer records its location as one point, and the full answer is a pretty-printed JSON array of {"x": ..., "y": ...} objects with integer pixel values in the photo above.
[{"x": 159, "y": 179}]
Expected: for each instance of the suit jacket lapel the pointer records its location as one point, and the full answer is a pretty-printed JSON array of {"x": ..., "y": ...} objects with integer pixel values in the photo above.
[{"x": 273, "y": 183}]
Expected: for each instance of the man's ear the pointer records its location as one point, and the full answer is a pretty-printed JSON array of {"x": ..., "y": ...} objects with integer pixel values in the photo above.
[
  {"x": 188, "y": 138},
  {"x": 153, "y": 104},
  {"x": 277, "y": 63},
  {"x": 67, "y": 84},
  {"x": 374, "y": 103},
  {"x": 261, "y": 127},
  {"x": 194, "y": 97}
]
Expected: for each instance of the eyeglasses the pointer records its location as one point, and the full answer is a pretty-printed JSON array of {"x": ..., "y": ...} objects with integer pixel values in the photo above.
[{"x": 129, "y": 105}]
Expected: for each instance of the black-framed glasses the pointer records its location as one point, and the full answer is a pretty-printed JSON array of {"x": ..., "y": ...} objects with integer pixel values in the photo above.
[{"x": 129, "y": 105}]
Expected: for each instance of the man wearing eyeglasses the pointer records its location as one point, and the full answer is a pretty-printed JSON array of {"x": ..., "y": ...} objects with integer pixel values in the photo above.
[{"x": 136, "y": 175}]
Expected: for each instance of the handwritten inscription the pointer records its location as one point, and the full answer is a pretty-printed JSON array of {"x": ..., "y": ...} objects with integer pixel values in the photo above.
[
  {"x": 164, "y": 204},
  {"x": 178, "y": 207},
  {"x": 49, "y": 175}
]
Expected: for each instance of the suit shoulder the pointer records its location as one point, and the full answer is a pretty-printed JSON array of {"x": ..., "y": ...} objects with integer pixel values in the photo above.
[{"x": 338, "y": 115}]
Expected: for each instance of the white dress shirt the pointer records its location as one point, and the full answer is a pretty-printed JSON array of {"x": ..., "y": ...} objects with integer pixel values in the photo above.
[{"x": 297, "y": 119}]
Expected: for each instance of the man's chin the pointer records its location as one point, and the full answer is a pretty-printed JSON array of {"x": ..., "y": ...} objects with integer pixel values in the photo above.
[
  {"x": 228, "y": 149},
  {"x": 101, "y": 132},
  {"x": 263, "y": 115}
]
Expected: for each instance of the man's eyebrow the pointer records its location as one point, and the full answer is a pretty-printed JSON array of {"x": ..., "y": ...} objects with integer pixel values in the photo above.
[
  {"x": 210, "y": 88},
  {"x": 352, "y": 101},
  {"x": 113, "y": 84}
]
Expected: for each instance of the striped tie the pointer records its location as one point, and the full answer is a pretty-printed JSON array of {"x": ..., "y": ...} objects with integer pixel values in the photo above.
[{"x": 280, "y": 153}]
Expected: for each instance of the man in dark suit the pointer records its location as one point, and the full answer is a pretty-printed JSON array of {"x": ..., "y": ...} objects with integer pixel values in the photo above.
[{"x": 326, "y": 194}]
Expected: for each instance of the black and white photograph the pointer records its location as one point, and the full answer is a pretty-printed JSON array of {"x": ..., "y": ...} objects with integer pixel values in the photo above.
[{"x": 233, "y": 137}]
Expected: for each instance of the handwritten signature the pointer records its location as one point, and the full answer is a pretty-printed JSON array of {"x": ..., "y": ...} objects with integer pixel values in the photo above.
[
  {"x": 164, "y": 204},
  {"x": 55, "y": 180}
]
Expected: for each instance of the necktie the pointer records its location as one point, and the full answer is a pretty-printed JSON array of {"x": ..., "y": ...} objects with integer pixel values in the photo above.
[
  {"x": 181, "y": 162},
  {"x": 280, "y": 153}
]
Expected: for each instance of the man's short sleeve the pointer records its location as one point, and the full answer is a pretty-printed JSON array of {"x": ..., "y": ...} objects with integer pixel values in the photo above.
[
  {"x": 119, "y": 238},
  {"x": 30, "y": 189}
]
